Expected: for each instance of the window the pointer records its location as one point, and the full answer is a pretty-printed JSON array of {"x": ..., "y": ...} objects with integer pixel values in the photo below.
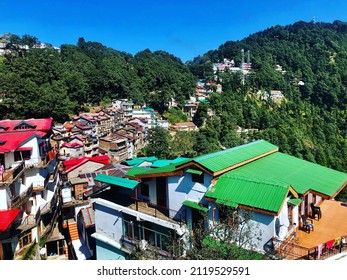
[
  {"x": 144, "y": 190},
  {"x": 18, "y": 155},
  {"x": 25, "y": 240},
  {"x": 198, "y": 178}
]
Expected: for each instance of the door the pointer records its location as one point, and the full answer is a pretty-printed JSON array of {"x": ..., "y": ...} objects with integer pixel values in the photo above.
[{"x": 161, "y": 191}]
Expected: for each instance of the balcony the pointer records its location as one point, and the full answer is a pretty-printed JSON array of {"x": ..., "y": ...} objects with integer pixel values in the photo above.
[
  {"x": 154, "y": 241},
  {"x": 22, "y": 198},
  {"x": 12, "y": 174},
  {"x": 145, "y": 207}
]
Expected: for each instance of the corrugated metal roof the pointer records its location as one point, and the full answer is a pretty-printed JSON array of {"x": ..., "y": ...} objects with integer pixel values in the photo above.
[
  {"x": 122, "y": 182},
  {"x": 295, "y": 201},
  {"x": 194, "y": 171},
  {"x": 253, "y": 192},
  {"x": 164, "y": 162},
  {"x": 300, "y": 174},
  {"x": 227, "y": 158},
  {"x": 7, "y": 217},
  {"x": 136, "y": 171},
  {"x": 138, "y": 161},
  {"x": 195, "y": 205},
  {"x": 219, "y": 160}
]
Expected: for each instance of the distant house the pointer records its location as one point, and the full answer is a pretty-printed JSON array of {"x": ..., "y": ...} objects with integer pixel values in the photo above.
[
  {"x": 71, "y": 150},
  {"x": 184, "y": 126},
  {"x": 276, "y": 94}
]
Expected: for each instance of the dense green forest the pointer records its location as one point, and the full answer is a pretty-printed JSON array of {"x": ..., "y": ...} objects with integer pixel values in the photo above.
[
  {"x": 49, "y": 82},
  {"x": 310, "y": 123}
]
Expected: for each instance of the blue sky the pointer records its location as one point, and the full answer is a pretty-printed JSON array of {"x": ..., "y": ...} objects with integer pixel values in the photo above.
[{"x": 185, "y": 29}]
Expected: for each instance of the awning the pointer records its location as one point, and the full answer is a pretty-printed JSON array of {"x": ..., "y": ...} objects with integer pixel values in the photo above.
[
  {"x": 294, "y": 201},
  {"x": 117, "y": 181},
  {"x": 195, "y": 205},
  {"x": 194, "y": 171}
]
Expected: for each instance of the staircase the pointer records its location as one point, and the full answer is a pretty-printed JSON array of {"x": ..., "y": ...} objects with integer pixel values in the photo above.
[{"x": 73, "y": 231}]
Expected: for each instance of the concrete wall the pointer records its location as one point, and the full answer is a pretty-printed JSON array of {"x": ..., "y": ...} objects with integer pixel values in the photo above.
[
  {"x": 108, "y": 222},
  {"x": 105, "y": 251},
  {"x": 183, "y": 188}
]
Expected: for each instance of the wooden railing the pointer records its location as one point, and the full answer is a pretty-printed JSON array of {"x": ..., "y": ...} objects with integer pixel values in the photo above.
[{"x": 290, "y": 250}]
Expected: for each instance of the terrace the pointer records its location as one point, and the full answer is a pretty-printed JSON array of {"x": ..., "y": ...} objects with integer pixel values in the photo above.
[{"x": 331, "y": 226}]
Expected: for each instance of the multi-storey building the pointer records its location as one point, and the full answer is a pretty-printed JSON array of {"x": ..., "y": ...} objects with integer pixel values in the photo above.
[{"x": 28, "y": 183}]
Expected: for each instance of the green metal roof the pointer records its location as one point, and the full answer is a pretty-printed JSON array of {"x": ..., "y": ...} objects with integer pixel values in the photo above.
[
  {"x": 194, "y": 171},
  {"x": 295, "y": 201},
  {"x": 300, "y": 174},
  {"x": 227, "y": 158},
  {"x": 138, "y": 161},
  {"x": 195, "y": 205},
  {"x": 112, "y": 180},
  {"x": 164, "y": 162},
  {"x": 147, "y": 171},
  {"x": 253, "y": 192}
]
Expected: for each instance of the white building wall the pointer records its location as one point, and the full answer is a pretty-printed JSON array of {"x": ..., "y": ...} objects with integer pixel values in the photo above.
[
  {"x": 183, "y": 188},
  {"x": 108, "y": 222},
  {"x": 3, "y": 198},
  {"x": 9, "y": 160},
  {"x": 35, "y": 152}
]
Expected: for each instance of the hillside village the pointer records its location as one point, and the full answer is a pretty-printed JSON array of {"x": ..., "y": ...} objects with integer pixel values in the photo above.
[
  {"x": 77, "y": 191},
  {"x": 82, "y": 190}
]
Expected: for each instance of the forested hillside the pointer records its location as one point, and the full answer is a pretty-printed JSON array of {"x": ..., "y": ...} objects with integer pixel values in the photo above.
[
  {"x": 49, "y": 82},
  {"x": 311, "y": 122}
]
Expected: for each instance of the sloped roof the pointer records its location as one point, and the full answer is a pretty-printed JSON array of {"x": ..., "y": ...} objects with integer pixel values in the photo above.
[
  {"x": 249, "y": 191},
  {"x": 241, "y": 154},
  {"x": 112, "y": 180},
  {"x": 195, "y": 205},
  {"x": 302, "y": 175},
  {"x": 13, "y": 140},
  {"x": 219, "y": 162},
  {"x": 72, "y": 145},
  {"x": 138, "y": 161},
  {"x": 74, "y": 163},
  {"x": 7, "y": 217},
  {"x": 44, "y": 124},
  {"x": 164, "y": 162}
]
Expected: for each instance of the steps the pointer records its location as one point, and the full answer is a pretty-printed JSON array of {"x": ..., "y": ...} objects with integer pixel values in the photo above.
[{"x": 73, "y": 231}]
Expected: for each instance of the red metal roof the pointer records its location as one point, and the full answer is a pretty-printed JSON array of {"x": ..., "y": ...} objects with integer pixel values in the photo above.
[
  {"x": 74, "y": 163},
  {"x": 35, "y": 124},
  {"x": 7, "y": 217},
  {"x": 72, "y": 145},
  {"x": 12, "y": 141}
]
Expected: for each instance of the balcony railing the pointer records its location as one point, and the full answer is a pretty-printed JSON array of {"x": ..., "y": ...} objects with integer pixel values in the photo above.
[
  {"x": 21, "y": 198},
  {"x": 159, "y": 211},
  {"x": 12, "y": 174},
  {"x": 292, "y": 251}
]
